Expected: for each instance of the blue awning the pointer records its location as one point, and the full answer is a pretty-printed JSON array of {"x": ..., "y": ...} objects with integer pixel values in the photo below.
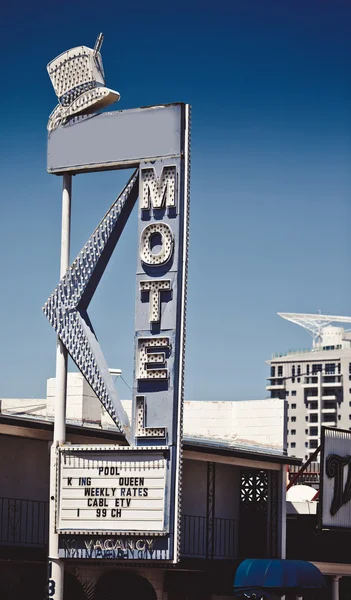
[{"x": 276, "y": 577}]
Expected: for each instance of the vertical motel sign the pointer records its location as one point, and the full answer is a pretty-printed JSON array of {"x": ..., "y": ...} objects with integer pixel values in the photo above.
[{"x": 124, "y": 502}]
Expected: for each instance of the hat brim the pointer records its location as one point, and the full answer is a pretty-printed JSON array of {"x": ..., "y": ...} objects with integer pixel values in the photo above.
[{"x": 87, "y": 103}]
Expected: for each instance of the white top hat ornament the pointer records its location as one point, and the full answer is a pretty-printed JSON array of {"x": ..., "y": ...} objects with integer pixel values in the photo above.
[{"x": 78, "y": 79}]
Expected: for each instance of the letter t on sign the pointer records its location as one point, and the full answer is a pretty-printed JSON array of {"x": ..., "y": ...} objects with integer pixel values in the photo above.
[{"x": 155, "y": 288}]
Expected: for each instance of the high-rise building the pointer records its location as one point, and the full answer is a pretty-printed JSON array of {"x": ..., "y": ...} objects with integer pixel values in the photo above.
[{"x": 316, "y": 382}]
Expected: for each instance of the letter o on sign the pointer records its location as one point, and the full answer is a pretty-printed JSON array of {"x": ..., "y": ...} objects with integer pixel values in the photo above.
[{"x": 167, "y": 244}]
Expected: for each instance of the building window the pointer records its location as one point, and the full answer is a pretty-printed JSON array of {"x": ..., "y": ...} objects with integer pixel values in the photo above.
[
  {"x": 329, "y": 404},
  {"x": 313, "y": 392},
  {"x": 293, "y": 432},
  {"x": 293, "y": 374},
  {"x": 307, "y": 369},
  {"x": 293, "y": 393},
  {"x": 330, "y": 368},
  {"x": 329, "y": 418},
  {"x": 306, "y": 431},
  {"x": 293, "y": 445},
  {"x": 278, "y": 394},
  {"x": 306, "y": 446},
  {"x": 316, "y": 368},
  {"x": 339, "y": 368},
  {"x": 339, "y": 417},
  {"x": 313, "y": 430},
  {"x": 287, "y": 392},
  {"x": 293, "y": 419},
  {"x": 280, "y": 370},
  {"x": 293, "y": 406},
  {"x": 313, "y": 444},
  {"x": 313, "y": 405},
  {"x": 272, "y": 371},
  {"x": 314, "y": 418},
  {"x": 306, "y": 418}
]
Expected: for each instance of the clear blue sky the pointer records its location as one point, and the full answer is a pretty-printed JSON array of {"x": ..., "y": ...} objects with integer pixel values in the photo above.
[{"x": 269, "y": 83}]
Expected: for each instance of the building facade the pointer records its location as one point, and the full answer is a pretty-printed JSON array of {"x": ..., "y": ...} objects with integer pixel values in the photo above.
[
  {"x": 233, "y": 507},
  {"x": 316, "y": 383}
]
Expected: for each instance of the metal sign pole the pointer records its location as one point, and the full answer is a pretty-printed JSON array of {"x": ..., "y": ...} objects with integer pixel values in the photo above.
[{"x": 56, "y": 566}]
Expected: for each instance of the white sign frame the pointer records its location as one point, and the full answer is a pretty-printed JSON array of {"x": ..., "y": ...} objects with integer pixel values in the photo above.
[{"x": 121, "y": 467}]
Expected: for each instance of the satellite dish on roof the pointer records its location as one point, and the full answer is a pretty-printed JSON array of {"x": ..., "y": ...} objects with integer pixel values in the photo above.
[{"x": 300, "y": 493}]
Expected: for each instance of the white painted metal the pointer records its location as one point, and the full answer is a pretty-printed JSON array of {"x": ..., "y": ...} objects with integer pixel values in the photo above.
[
  {"x": 61, "y": 353},
  {"x": 335, "y": 588},
  {"x": 159, "y": 192},
  {"x": 56, "y": 567},
  {"x": 283, "y": 507},
  {"x": 111, "y": 491},
  {"x": 116, "y": 372},
  {"x": 155, "y": 288},
  {"x": 167, "y": 244},
  {"x": 141, "y": 428},
  {"x": 78, "y": 79},
  {"x": 146, "y": 359},
  {"x": 178, "y": 481},
  {"x": 111, "y": 448},
  {"x": 314, "y": 323}
]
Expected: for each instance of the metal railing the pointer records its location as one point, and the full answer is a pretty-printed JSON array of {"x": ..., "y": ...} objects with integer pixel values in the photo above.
[
  {"x": 195, "y": 537},
  {"x": 23, "y": 522},
  {"x": 310, "y": 475},
  {"x": 305, "y": 350}
]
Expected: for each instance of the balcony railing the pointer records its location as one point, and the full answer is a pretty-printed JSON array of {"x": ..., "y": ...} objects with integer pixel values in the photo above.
[
  {"x": 23, "y": 522},
  {"x": 309, "y": 476},
  {"x": 198, "y": 540}
]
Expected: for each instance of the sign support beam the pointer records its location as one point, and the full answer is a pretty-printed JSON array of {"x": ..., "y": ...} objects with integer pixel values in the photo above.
[{"x": 56, "y": 566}]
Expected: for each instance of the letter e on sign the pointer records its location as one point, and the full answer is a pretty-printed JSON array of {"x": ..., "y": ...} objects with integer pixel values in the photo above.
[{"x": 152, "y": 365}]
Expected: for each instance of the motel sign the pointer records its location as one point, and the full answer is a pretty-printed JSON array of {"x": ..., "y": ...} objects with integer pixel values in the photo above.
[{"x": 123, "y": 502}]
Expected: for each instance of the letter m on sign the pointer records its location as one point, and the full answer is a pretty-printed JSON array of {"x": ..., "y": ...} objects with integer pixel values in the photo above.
[{"x": 158, "y": 191}]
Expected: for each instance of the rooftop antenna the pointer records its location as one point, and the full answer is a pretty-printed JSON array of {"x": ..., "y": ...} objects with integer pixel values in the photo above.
[
  {"x": 98, "y": 43},
  {"x": 314, "y": 324}
]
